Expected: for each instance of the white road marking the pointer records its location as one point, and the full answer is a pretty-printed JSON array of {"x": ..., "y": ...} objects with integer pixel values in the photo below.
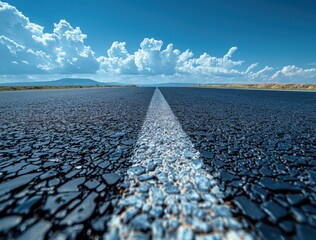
[{"x": 170, "y": 195}]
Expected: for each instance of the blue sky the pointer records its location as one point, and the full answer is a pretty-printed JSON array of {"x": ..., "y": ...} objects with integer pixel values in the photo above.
[{"x": 278, "y": 36}]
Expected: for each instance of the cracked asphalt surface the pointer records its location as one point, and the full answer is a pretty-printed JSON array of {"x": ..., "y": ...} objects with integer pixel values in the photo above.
[
  {"x": 261, "y": 148},
  {"x": 64, "y": 155}
]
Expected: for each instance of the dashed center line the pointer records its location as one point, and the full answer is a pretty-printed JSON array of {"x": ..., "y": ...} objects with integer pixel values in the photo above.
[{"x": 168, "y": 195}]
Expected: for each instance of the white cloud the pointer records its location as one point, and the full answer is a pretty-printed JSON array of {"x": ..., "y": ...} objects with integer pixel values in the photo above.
[
  {"x": 119, "y": 61},
  {"x": 15, "y": 56},
  {"x": 149, "y": 59},
  {"x": 252, "y": 66},
  {"x": 152, "y": 59},
  {"x": 186, "y": 55},
  {"x": 118, "y": 50},
  {"x": 22, "y": 41},
  {"x": 293, "y": 73},
  {"x": 263, "y": 74},
  {"x": 210, "y": 65}
]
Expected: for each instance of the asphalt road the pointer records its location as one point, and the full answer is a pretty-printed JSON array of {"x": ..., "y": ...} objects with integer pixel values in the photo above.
[
  {"x": 62, "y": 153},
  {"x": 73, "y": 162},
  {"x": 261, "y": 148}
]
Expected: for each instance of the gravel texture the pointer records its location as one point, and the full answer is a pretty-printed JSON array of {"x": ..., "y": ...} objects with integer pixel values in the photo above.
[
  {"x": 62, "y": 153},
  {"x": 260, "y": 146},
  {"x": 168, "y": 195}
]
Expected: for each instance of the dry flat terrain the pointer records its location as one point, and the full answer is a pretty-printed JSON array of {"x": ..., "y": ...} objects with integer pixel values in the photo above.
[{"x": 271, "y": 86}]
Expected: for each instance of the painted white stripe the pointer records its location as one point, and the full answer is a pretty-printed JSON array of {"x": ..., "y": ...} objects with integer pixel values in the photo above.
[{"x": 169, "y": 195}]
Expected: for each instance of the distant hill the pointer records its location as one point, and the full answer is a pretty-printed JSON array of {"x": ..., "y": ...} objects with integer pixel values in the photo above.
[{"x": 64, "y": 82}]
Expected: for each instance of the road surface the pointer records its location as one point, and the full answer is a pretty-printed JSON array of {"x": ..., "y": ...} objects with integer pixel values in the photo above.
[{"x": 170, "y": 163}]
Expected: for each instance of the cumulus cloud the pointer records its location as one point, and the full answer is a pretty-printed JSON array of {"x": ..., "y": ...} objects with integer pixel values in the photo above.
[
  {"x": 149, "y": 59},
  {"x": 152, "y": 59},
  {"x": 26, "y": 48},
  {"x": 290, "y": 73},
  {"x": 216, "y": 66},
  {"x": 119, "y": 61}
]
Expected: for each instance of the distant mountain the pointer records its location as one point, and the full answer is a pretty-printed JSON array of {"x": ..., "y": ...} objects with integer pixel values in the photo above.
[
  {"x": 168, "y": 85},
  {"x": 64, "y": 82}
]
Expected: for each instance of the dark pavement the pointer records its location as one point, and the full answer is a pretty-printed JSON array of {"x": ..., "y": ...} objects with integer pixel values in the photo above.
[
  {"x": 62, "y": 152},
  {"x": 261, "y": 147}
]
